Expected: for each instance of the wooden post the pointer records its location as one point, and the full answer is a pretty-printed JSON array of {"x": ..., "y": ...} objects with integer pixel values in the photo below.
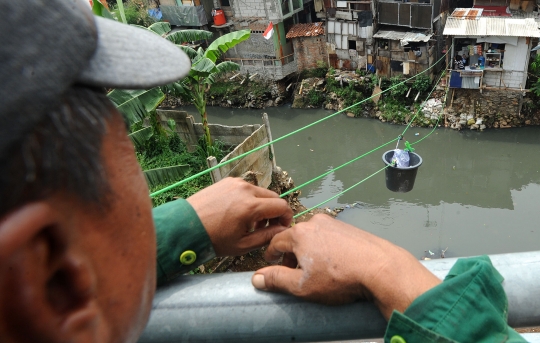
[
  {"x": 269, "y": 134},
  {"x": 214, "y": 174}
]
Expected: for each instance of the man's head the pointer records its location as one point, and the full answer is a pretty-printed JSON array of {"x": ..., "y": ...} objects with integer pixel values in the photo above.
[{"x": 77, "y": 245}]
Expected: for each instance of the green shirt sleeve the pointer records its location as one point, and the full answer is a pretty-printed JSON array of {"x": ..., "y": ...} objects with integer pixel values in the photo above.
[
  {"x": 179, "y": 233},
  {"x": 469, "y": 306}
]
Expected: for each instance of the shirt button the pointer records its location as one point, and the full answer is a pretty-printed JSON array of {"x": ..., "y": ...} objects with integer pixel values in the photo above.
[
  {"x": 397, "y": 339},
  {"x": 188, "y": 257}
]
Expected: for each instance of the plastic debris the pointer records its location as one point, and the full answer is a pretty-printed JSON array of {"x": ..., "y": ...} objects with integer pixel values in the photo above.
[
  {"x": 401, "y": 158},
  {"x": 417, "y": 134}
]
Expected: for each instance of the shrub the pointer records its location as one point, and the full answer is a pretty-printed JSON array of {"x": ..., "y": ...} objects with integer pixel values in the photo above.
[
  {"x": 400, "y": 89},
  {"x": 315, "y": 98},
  {"x": 422, "y": 83}
]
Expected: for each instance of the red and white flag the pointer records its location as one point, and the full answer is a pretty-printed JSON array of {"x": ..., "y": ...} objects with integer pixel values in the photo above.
[{"x": 269, "y": 31}]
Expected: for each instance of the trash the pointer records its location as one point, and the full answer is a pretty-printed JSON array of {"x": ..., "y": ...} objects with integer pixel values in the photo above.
[
  {"x": 401, "y": 158},
  {"x": 417, "y": 134}
]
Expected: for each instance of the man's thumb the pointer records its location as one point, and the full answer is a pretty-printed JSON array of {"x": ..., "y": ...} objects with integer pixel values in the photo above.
[{"x": 277, "y": 279}]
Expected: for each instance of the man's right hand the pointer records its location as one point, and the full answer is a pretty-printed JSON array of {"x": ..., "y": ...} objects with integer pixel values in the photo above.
[
  {"x": 240, "y": 217},
  {"x": 339, "y": 263}
]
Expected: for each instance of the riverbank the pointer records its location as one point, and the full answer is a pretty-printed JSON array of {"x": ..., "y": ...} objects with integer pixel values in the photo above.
[{"x": 337, "y": 90}]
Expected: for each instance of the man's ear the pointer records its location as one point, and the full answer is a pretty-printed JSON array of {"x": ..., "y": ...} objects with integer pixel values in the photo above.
[{"x": 47, "y": 286}]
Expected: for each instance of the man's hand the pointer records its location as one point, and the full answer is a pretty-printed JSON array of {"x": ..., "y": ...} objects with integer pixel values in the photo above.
[
  {"x": 240, "y": 217},
  {"x": 338, "y": 263}
]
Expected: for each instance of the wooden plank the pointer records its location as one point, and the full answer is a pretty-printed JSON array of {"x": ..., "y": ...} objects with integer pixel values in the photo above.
[
  {"x": 214, "y": 174},
  {"x": 385, "y": 70}
]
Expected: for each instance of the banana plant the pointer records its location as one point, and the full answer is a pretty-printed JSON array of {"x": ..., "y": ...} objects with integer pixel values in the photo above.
[
  {"x": 204, "y": 67},
  {"x": 136, "y": 105}
]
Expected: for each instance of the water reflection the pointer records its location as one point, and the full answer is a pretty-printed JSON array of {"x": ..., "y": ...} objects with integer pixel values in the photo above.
[{"x": 476, "y": 192}]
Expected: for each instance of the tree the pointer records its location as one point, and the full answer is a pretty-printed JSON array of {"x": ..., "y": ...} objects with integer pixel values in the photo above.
[{"x": 204, "y": 69}]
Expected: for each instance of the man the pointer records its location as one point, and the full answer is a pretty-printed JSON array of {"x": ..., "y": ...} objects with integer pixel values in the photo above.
[{"x": 77, "y": 239}]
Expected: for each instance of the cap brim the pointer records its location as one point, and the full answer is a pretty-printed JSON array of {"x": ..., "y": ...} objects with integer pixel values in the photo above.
[{"x": 129, "y": 57}]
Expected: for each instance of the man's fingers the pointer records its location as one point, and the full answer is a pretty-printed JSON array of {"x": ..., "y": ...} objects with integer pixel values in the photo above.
[
  {"x": 289, "y": 260},
  {"x": 274, "y": 208},
  {"x": 281, "y": 243},
  {"x": 261, "y": 237},
  {"x": 277, "y": 278}
]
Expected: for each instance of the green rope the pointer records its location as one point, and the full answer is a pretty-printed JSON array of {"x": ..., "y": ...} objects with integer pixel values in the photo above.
[
  {"x": 439, "y": 118},
  {"x": 206, "y": 171},
  {"x": 427, "y": 98},
  {"x": 348, "y": 189},
  {"x": 357, "y": 158},
  {"x": 337, "y": 168}
]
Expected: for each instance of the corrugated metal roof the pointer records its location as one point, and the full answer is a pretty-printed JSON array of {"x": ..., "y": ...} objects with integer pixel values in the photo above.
[
  {"x": 491, "y": 26},
  {"x": 404, "y": 37},
  {"x": 306, "y": 30}
]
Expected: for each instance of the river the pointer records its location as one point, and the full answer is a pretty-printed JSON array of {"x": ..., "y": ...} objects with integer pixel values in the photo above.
[{"x": 475, "y": 193}]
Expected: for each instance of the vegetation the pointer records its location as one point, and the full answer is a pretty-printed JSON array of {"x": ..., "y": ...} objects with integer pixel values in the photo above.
[
  {"x": 400, "y": 89},
  {"x": 170, "y": 150},
  {"x": 204, "y": 69},
  {"x": 534, "y": 69},
  {"x": 351, "y": 93},
  {"x": 136, "y": 12},
  {"x": 315, "y": 98},
  {"x": 422, "y": 83}
]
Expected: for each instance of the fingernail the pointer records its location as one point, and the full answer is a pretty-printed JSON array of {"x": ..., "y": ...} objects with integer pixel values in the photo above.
[{"x": 258, "y": 282}]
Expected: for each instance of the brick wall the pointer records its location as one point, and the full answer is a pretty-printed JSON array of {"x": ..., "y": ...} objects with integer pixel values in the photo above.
[{"x": 310, "y": 50}]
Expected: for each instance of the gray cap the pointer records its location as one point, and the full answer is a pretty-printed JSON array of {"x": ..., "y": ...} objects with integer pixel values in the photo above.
[{"x": 46, "y": 46}]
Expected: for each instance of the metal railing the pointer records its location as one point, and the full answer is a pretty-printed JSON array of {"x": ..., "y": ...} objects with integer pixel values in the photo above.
[
  {"x": 226, "y": 308},
  {"x": 262, "y": 61}
]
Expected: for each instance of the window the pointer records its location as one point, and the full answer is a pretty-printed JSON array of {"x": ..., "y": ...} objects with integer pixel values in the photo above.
[
  {"x": 352, "y": 44},
  {"x": 225, "y": 3}
]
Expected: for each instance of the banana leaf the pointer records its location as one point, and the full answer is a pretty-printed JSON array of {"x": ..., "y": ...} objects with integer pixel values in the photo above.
[
  {"x": 161, "y": 28},
  {"x": 223, "y": 67},
  {"x": 136, "y": 104},
  {"x": 166, "y": 175},
  {"x": 224, "y": 43},
  {"x": 139, "y": 138},
  {"x": 203, "y": 67},
  {"x": 100, "y": 10},
  {"x": 184, "y": 36},
  {"x": 120, "y": 4},
  {"x": 192, "y": 53}
]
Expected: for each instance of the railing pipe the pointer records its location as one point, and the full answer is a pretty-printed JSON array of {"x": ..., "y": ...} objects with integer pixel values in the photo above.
[{"x": 226, "y": 308}]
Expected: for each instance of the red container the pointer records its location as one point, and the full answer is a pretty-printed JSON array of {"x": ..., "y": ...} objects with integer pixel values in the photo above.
[{"x": 219, "y": 17}]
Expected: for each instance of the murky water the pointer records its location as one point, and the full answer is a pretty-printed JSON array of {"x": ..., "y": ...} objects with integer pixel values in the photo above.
[{"x": 476, "y": 192}]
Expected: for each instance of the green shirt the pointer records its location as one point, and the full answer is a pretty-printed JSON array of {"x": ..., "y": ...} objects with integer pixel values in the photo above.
[
  {"x": 469, "y": 306},
  {"x": 179, "y": 231}
]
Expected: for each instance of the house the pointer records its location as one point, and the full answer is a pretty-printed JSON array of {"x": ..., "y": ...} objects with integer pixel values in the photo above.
[
  {"x": 405, "y": 42},
  {"x": 309, "y": 45},
  {"x": 271, "y": 58},
  {"x": 496, "y": 43},
  {"x": 349, "y": 32}
]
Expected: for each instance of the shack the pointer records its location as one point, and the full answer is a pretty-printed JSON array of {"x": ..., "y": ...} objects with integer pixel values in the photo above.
[
  {"x": 403, "y": 53},
  {"x": 308, "y": 45},
  {"x": 493, "y": 44}
]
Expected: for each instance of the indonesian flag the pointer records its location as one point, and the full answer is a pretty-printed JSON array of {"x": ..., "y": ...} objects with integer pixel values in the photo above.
[{"x": 269, "y": 31}]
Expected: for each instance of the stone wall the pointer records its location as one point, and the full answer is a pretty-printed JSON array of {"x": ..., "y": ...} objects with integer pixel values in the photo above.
[
  {"x": 491, "y": 108},
  {"x": 309, "y": 51}
]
